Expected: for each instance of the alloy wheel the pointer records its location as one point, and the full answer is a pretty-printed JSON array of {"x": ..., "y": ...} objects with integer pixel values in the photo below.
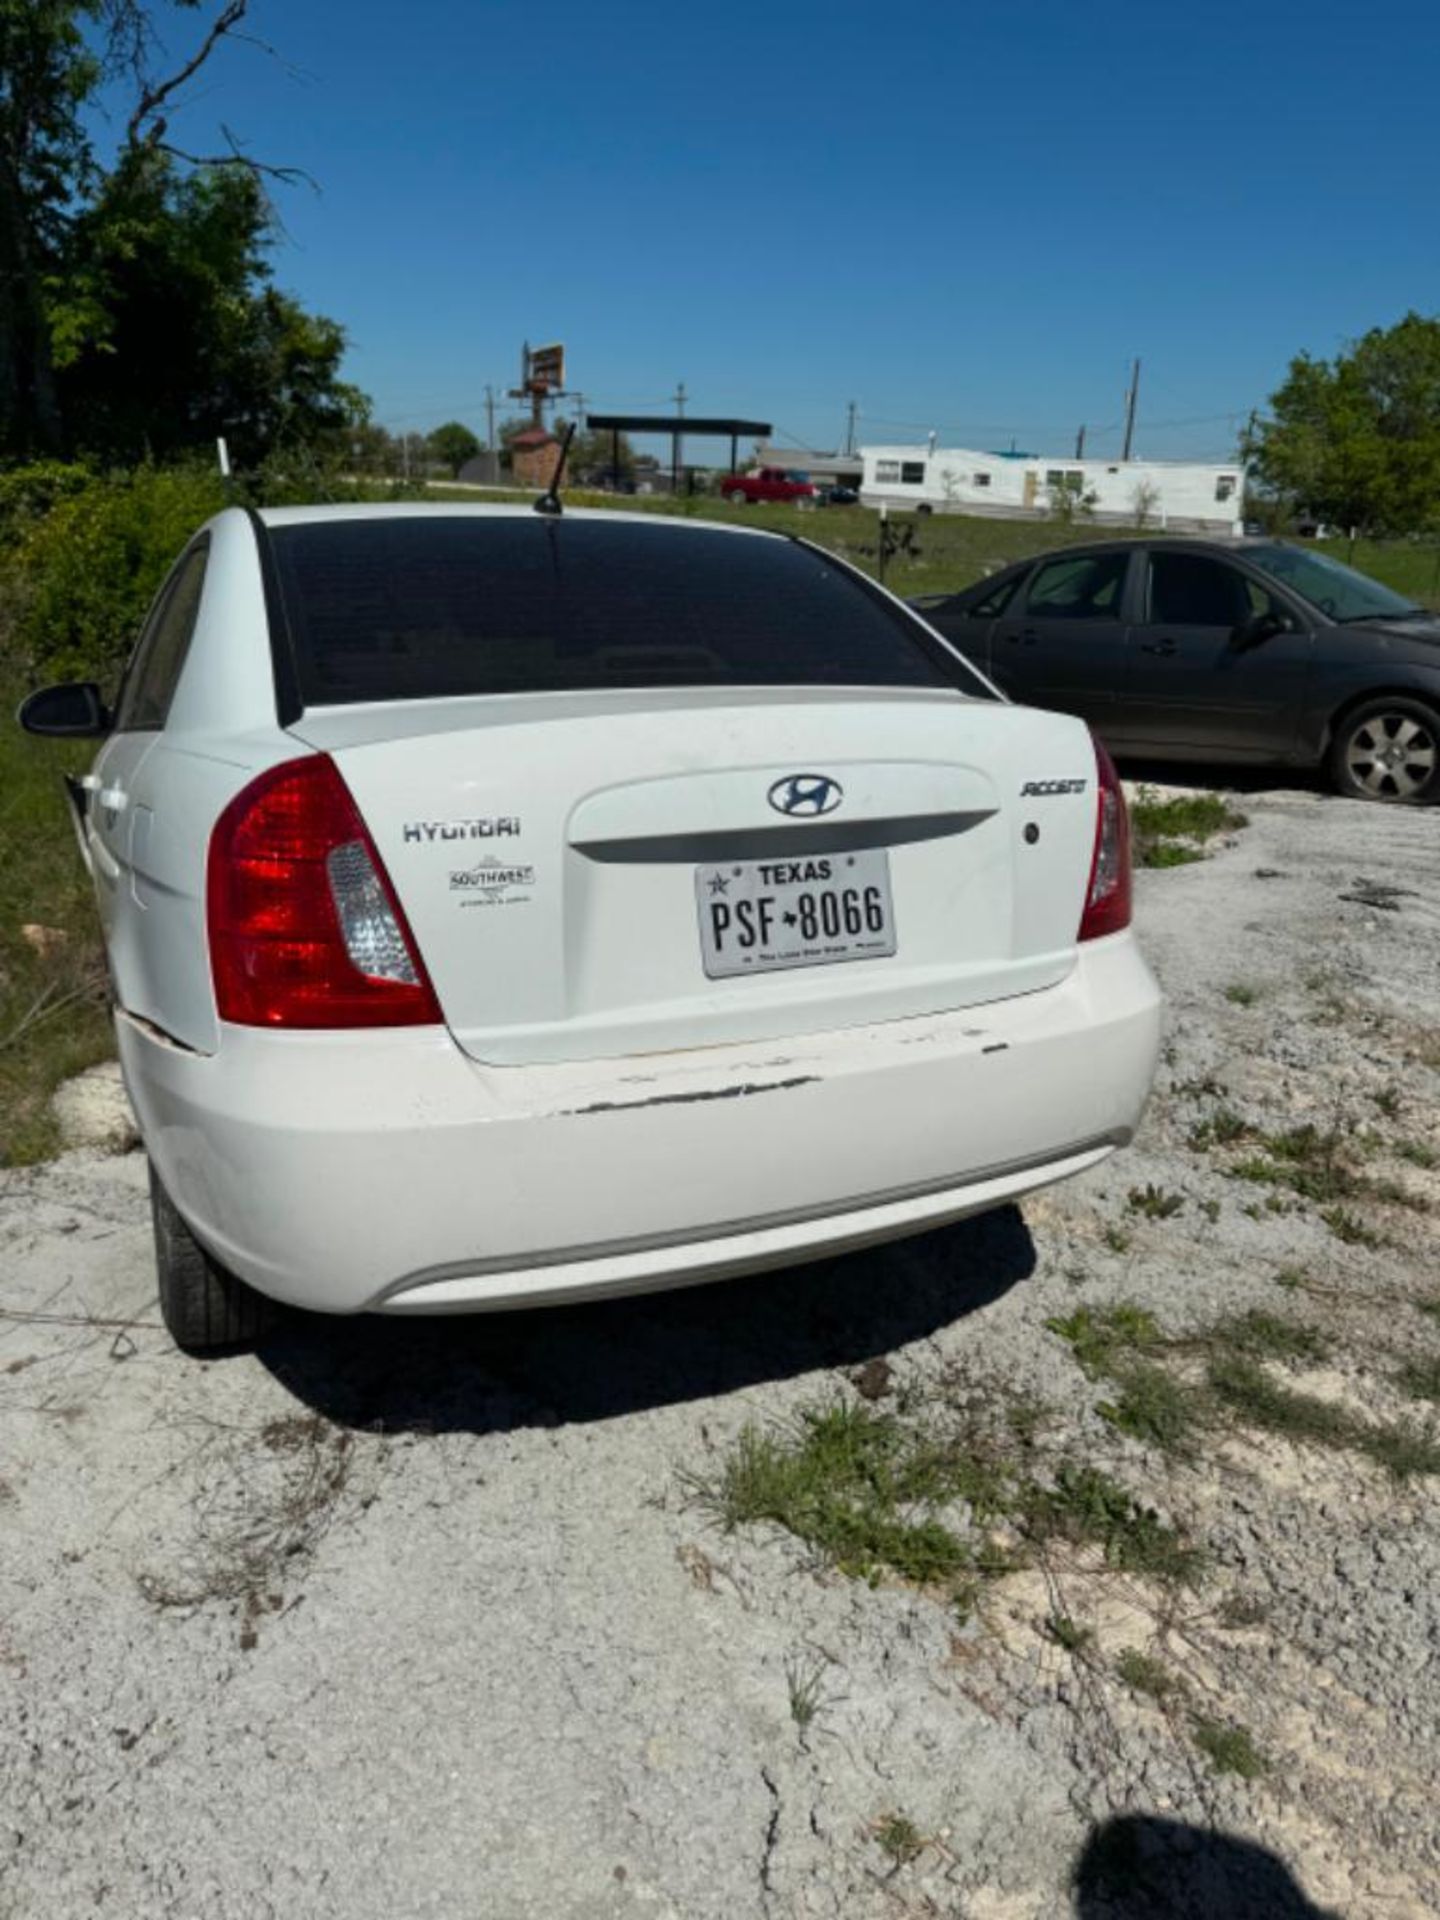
[{"x": 1391, "y": 755}]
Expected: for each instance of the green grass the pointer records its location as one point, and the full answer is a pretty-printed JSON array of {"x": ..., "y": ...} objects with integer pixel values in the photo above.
[
  {"x": 898, "y": 1837},
  {"x": 1318, "y": 1165},
  {"x": 1172, "y": 833},
  {"x": 1420, "y": 1379},
  {"x": 1124, "y": 1346},
  {"x": 874, "y": 1495},
  {"x": 1144, "y": 1674},
  {"x": 1067, "y": 1633},
  {"x": 861, "y": 1489},
  {"x": 1229, "y": 1747},
  {"x": 1244, "y": 1387},
  {"x": 1085, "y": 1506},
  {"x": 1240, "y": 995},
  {"x": 1223, "y": 1128},
  {"x": 53, "y": 1021},
  {"x": 1153, "y": 1202}
]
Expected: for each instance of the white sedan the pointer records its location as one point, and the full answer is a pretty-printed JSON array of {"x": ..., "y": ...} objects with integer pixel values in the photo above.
[{"x": 505, "y": 909}]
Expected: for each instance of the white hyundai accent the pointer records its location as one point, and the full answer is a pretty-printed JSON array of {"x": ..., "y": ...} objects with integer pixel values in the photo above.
[{"x": 505, "y": 909}]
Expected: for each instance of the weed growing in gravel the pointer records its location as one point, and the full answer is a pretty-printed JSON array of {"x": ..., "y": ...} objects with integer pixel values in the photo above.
[
  {"x": 1100, "y": 1335},
  {"x": 1229, "y": 1747},
  {"x": 1249, "y": 1392},
  {"x": 1429, "y": 1305},
  {"x": 1068, "y": 1633},
  {"x": 898, "y": 1837},
  {"x": 1123, "y": 1345},
  {"x": 1242, "y": 1610},
  {"x": 1219, "y": 1129},
  {"x": 1351, "y": 1229},
  {"x": 872, "y": 1495},
  {"x": 1143, "y": 1673},
  {"x": 1154, "y": 1202},
  {"x": 1267, "y": 1336},
  {"x": 1210, "y": 1209},
  {"x": 1171, "y": 833},
  {"x": 1291, "y": 1278},
  {"x": 1388, "y": 1101},
  {"x": 1085, "y": 1506},
  {"x": 1239, "y": 994},
  {"x": 1118, "y": 1240},
  {"x": 1152, "y": 1406},
  {"x": 1110, "y": 1343},
  {"x": 1416, "y": 1152},
  {"x": 805, "y": 1683},
  {"x": 1318, "y": 1165}
]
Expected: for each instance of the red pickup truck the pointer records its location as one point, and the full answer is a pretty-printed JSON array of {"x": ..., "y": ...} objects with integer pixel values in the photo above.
[{"x": 768, "y": 483}]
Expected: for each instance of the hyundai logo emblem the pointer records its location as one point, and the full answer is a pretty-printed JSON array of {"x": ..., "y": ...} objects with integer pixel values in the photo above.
[{"x": 806, "y": 794}]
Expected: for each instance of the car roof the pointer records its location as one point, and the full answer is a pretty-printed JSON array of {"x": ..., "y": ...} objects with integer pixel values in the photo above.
[{"x": 492, "y": 510}]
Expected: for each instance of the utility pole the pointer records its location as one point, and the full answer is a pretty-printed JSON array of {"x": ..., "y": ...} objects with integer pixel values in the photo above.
[
  {"x": 490, "y": 419},
  {"x": 1130, "y": 400},
  {"x": 677, "y": 444},
  {"x": 850, "y": 431},
  {"x": 1080, "y": 444}
]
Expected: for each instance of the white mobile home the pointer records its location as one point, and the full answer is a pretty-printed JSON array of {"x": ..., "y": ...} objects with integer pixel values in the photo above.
[{"x": 1178, "y": 494}]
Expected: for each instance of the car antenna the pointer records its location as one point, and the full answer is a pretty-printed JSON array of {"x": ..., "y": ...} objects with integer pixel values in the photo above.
[{"x": 549, "y": 501}]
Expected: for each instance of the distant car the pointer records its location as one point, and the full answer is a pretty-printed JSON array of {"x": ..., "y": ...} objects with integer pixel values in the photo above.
[
  {"x": 506, "y": 909},
  {"x": 1251, "y": 651},
  {"x": 768, "y": 484},
  {"x": 840, "y": 496}
]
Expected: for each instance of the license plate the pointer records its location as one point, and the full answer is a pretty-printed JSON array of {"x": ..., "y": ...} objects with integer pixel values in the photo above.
[{"x": 757, "y": 916}]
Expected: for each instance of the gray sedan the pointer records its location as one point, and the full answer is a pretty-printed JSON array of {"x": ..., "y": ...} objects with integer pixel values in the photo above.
[{"x": 1252, "y": 651}]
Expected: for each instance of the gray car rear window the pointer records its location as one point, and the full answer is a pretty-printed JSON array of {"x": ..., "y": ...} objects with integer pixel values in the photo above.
[{"x": 414, "y": 609}]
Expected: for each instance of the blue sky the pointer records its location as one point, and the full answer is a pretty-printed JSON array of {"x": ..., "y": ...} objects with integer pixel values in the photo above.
[{"x": 962, "y": 217}]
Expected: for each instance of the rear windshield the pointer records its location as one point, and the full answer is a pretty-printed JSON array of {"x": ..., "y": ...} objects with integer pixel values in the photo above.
[{"x": 415, "y": 609}]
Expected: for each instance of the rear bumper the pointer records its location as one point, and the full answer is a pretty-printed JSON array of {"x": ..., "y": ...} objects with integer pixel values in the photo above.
[{"x": 388, "y": 1171}]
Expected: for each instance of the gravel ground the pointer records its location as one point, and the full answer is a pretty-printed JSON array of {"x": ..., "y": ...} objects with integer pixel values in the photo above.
[{"x": 429, "y": 1620}]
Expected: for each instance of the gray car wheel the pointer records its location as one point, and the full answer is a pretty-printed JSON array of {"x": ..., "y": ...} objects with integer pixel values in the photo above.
[
  {"x": 205, "y": 1309},
  {"x": 1388, "y": 749}
]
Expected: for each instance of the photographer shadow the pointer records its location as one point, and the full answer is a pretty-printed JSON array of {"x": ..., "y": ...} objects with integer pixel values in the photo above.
[{"x": 1142, "y": 1867}]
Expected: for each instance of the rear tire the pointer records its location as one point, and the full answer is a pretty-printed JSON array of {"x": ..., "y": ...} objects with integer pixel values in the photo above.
[
  {"x": 737, "y": 497},
  {"x": 1387, "y": 749},
  {"x": 205, "y": 1309}
]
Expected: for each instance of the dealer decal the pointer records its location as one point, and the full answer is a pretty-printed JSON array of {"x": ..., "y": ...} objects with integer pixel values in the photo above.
[{"x": 492, "y": 883}]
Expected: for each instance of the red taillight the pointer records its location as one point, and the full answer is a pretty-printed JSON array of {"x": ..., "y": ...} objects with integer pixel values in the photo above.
[
  {"x": 305, "y": 929},
  {"x": 1107, "y": 897}
]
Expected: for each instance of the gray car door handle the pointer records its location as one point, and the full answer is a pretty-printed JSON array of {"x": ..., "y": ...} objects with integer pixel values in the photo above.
[{"x": 1157, "y": 646}]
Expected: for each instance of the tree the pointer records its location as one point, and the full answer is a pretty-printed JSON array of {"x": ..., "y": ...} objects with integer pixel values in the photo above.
[
  {"x": 453, "y": 444},
  {"x": 1144, "y": 499},
  {"x": 138, "y": 315},
  {"x": 1356, "y": 441}
]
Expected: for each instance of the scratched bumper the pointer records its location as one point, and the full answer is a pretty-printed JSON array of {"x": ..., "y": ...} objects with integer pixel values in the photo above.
[{"x": 346, "y": 1172}]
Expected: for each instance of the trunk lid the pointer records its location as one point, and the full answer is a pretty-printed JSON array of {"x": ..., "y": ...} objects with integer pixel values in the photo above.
[{"x": 545, "y": 849}]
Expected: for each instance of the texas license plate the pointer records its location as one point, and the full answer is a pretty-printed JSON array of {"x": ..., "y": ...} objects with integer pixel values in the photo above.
[{"x": 757, "y": 916}]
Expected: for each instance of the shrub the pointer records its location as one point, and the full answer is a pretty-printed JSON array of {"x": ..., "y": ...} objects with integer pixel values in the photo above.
[{"x": 81, "y": 574}]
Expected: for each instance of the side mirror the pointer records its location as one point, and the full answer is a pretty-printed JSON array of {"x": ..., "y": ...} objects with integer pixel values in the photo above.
[
  {"x": 74, "y": 711},
  {"x": 1255, "y": 631}
]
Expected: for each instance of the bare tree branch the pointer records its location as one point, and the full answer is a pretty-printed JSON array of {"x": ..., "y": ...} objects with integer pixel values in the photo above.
[
  {"x": 147, "y": 124},
  {"x": 236, "y": 157}
]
